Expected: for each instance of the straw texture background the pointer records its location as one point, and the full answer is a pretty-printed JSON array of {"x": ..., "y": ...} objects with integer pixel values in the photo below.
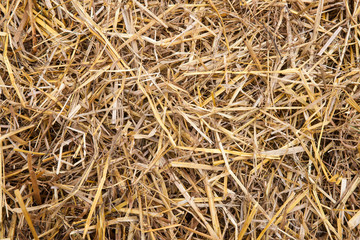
[{"x": 204, "y": 119}]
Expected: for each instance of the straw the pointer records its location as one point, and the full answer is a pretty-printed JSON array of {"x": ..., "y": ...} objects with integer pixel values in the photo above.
[{"x": 213, "y": 119}]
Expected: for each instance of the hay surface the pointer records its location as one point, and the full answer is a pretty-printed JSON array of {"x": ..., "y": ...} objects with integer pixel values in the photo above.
[{"x": 215, "y": 119}]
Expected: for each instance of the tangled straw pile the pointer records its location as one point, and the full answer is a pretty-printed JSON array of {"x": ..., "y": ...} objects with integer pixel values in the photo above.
[{"x": 208, "y": 119}]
